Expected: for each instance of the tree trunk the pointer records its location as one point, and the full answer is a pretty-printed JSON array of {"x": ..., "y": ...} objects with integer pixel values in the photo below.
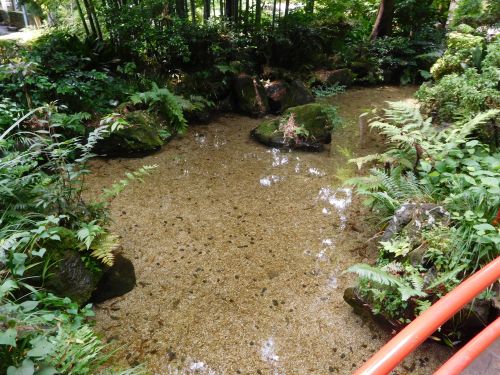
[
  {"x": 82, "y": 17},
  {"x": 96, "y": 20},
  {"x": 310, "y": 6},
  {"x": 206, "y": 10},
  {"x": 89, "y": 15},
  {"x": 232, "y": 10},
  {"x": 258, "y": 12},
  {"x": 274, "y": 13},
  {"x": 383, "y": 23},
  {"x": 193, "y": 11},
  {"x": 179, "y": 8},
  {"x": 247, "y": 12},
  {"x": 451, "y": 12},
  {"x": 287, "y": 6}
]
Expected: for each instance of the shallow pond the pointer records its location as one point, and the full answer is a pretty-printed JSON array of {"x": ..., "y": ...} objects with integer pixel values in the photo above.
[{"x": 239, "y": 252}]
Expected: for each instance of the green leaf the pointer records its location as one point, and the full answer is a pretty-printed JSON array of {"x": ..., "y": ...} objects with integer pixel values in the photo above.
[
  {"x": 28, "y": 305},
  {"x": 27, "y": 368},
  {"x": 39, "y": 253},
  {"x": 490, "y": 181},
  {"x": 8, "y": 337},
  {"x": 484, "y": 227},
  {"x": 40, "y": 347},
  {"x": 6, "y": 287}
]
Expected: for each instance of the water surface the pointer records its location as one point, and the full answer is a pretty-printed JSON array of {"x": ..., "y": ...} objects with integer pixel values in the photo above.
[{"x": 239, "y": 252}]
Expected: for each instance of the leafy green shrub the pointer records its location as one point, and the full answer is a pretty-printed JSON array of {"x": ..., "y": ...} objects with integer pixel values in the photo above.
[
  {"x": 41, "y": 180},
  {"x": 429, "y": 164},
  {"x": 476, "y": 12},
  {"x": 168, "y": 105},
  {"x": 461, "y": 96},
  {"x": 463, "y": 50},
  {"x": 10, "y": 111}
]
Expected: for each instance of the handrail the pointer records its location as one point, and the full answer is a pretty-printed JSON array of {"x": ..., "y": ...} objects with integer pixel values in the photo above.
[
  {"x": 465, "y": 356},
  {"x": 426, "y": 324}
]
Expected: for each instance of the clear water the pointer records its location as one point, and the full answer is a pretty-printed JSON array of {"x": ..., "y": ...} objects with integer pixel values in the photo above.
[{"x": 239, "y": 252}]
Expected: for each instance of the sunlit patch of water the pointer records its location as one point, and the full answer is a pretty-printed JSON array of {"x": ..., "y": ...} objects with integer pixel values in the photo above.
[
  {"x": 332, "y": 282},
  {"x": 339, "y": 199},
  {"x": 219, "y": 140},
  {"x": 277, "y": 159},
  {"x": 315, "y": 172},
  {"x": 270, "y": 180},
  {"x": 268, "y": 355},
  {"x": 327, "y": 242},
  {"x": 200, "y": 139}
]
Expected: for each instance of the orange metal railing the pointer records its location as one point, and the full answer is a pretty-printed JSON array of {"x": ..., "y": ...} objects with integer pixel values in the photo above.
[
  {"x": 426, "y": 324},
  {"x": 465, "y": 356}
]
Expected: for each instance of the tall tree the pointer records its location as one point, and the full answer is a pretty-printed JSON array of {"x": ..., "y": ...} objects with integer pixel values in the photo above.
[
  {"x": 309, "y": 8},
  {"x": 232, "y": 10},
  {"x": 383, "y": 23},
  {"x": 82, "y": 17},
  {"x": 180, "y": 9},
  {"x": 193, "y": 11},
  {"x": 451, "y": 12},
  {"x": 258, "y": 12},
  {"x": 274, "y": 13},
  {"x": 206, "y": 9}
]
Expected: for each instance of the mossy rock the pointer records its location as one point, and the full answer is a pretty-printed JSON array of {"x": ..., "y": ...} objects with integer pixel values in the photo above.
[
  {"x": 68, "y": 275},
  {"x": 250, "y": 96},
  {"x": 342, "y": 77},
  {"x": 318, "y": 120},
  {"x": 141, "y": 136},
  {"x": 283, "y": 95}
]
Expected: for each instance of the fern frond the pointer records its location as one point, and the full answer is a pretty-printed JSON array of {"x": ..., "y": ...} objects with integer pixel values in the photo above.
[
  {"x": 374, "y": 274},
  {"x": 416, "y": 280},
  {"x": 103, "y": 248},
  {"x": 381, "y": 277}
]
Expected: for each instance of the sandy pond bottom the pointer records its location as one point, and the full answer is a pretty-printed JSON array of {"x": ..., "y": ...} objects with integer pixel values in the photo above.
[{"x": 239, "y": 252}]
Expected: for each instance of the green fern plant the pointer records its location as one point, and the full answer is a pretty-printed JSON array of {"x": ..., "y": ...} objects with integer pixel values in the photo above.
[
  {"x": 413, "y": 138},
  {"x": 109, "y": 193},
  {"x": 104, "y": 247},
  {"x": 387, "y": 190},
  {"x": 381, "y": 277},
  {"x": 165, "y": 103}
]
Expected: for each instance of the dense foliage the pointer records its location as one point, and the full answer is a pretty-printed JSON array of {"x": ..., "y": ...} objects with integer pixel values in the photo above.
[
  {"x": 441, "y": 160},
  {"x": 131, "y": 74}
]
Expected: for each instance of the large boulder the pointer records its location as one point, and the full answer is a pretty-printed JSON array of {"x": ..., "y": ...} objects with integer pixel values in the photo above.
[
  {"x": 250, "y": 96},
  {"x": 140, "y": 136},
  {"x": 116, "y": 281},
  {"x": 282, "y": 95},
  {"x": 331, "y": 77},
  {"x": 68, "y": 276},
  {"x": 305, "y": 127}
]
